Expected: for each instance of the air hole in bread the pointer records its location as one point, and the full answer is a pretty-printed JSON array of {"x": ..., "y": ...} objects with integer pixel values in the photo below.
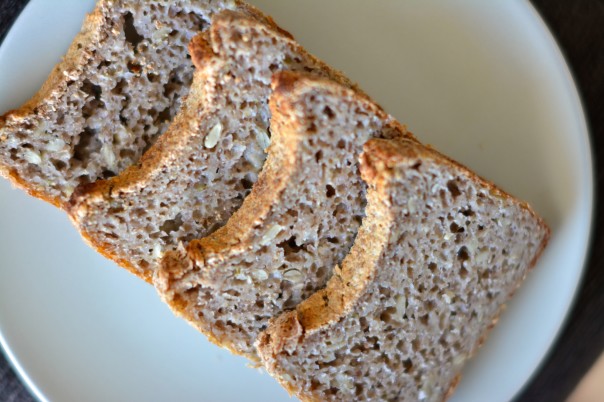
[
  {"x": 468, "y": 212},
  {"x": 363, "y": 324},
  {"x": 134, "y": 67},
  {"x": 455, "y": 228},
  {"x": 290, "y": 246},
  {"x": 330, "y": 191},
  {"x": 127, "y": 153},
  {"x": 92, "y": 89},
  {"x": 87, "y": 144},
  {"x": 453, "y": 188},
  {"x": 174, "y": 83},
  {"x": 318, "y": 156},
  {"x": 463, "y": 254},
  {"x": 358, "y": 389},
  {"x": 328, "y": 112},
  {"x": 84, "y": 179},
  {"x": 373, "y": 342},
  {"x": 107, "y": 174},
  {"x": 132, "y": 35},
  {"x": 119, "y": 87},
  {"x": 333, "y": 240},
  {"x": 387, "y": 314},
  {"x": 164, "y": 116},
  {"x": 246, "y": 183},
  {"x": 321, "y": 272},
  {"x": 172, "y": 225},
  {"x": 408, "y": 363}
]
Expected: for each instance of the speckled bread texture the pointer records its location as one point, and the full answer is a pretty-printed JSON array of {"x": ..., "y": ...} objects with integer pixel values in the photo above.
[
  {"x": 197, "y": 175},
  {"x": 438, "y": 254},
  {"x": 116, "y": 90},
  {"x": 300, "y": 219}
]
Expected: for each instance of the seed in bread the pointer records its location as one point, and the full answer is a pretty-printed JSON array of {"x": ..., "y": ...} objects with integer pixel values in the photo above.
[{"x": 438, "y": 254}]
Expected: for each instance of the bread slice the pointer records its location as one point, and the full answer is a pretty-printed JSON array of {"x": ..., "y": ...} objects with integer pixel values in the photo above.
[
  {"x": 199, "y": 172},
  {"x": 438, "y": 254},
  {"x": 116, "y": 90},
  {"x": 298, "y": 222}
]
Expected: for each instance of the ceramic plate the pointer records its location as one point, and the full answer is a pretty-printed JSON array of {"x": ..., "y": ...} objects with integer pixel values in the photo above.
[{"x": 482, "y": 81}]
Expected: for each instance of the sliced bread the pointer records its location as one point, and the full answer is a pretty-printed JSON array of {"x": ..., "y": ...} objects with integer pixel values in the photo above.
[
  {"x": 298, "y": 222},
  {"x": 193, "y": 179},
  {"x": 438, "y": 254},
  {"x": 116, "y": 90}
]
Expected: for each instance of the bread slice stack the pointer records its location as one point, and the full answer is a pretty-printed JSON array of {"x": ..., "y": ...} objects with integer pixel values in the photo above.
[
  {"x": 354, "y": 262},
  {"x": 298, "y": 222},
  {"x": 198, "y": 173}
]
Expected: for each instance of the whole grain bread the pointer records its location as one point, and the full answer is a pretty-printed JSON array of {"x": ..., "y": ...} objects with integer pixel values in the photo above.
[
  {"x": 113, "y": 94},
  {"x": 298, "y": 222},
  {"x": 198, "y": 173},
  {"x": 438, "y": 254}
]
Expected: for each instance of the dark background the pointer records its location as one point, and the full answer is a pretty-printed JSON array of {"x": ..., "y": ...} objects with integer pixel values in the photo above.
[{"x": 579, "y": 28}]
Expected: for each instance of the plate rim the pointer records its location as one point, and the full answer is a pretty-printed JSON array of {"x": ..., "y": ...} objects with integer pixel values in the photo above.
[
  {"x": 586, "y": 137},
  {"x": 579, "y": 110}
]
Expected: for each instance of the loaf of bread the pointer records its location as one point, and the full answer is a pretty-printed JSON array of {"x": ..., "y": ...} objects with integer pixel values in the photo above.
[
  {"x": 298, "y": 222},
  {"x": 192, "y": 180},
  {"x": 438, "y": 254},
  {"x": 116, "y": 90}
]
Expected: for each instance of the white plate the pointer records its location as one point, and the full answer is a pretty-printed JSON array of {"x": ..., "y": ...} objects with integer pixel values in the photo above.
[{"x": 482, "y": 81}]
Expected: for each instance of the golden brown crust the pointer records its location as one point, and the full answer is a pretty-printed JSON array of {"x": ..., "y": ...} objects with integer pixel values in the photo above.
[
  {"x": 200, "y": 50},
  {"x": 18, "y": 182},
  {"x": 258, "y": 15},
  {"x": 104, "y": 251},
  {"x": 452, "y": 387}
]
